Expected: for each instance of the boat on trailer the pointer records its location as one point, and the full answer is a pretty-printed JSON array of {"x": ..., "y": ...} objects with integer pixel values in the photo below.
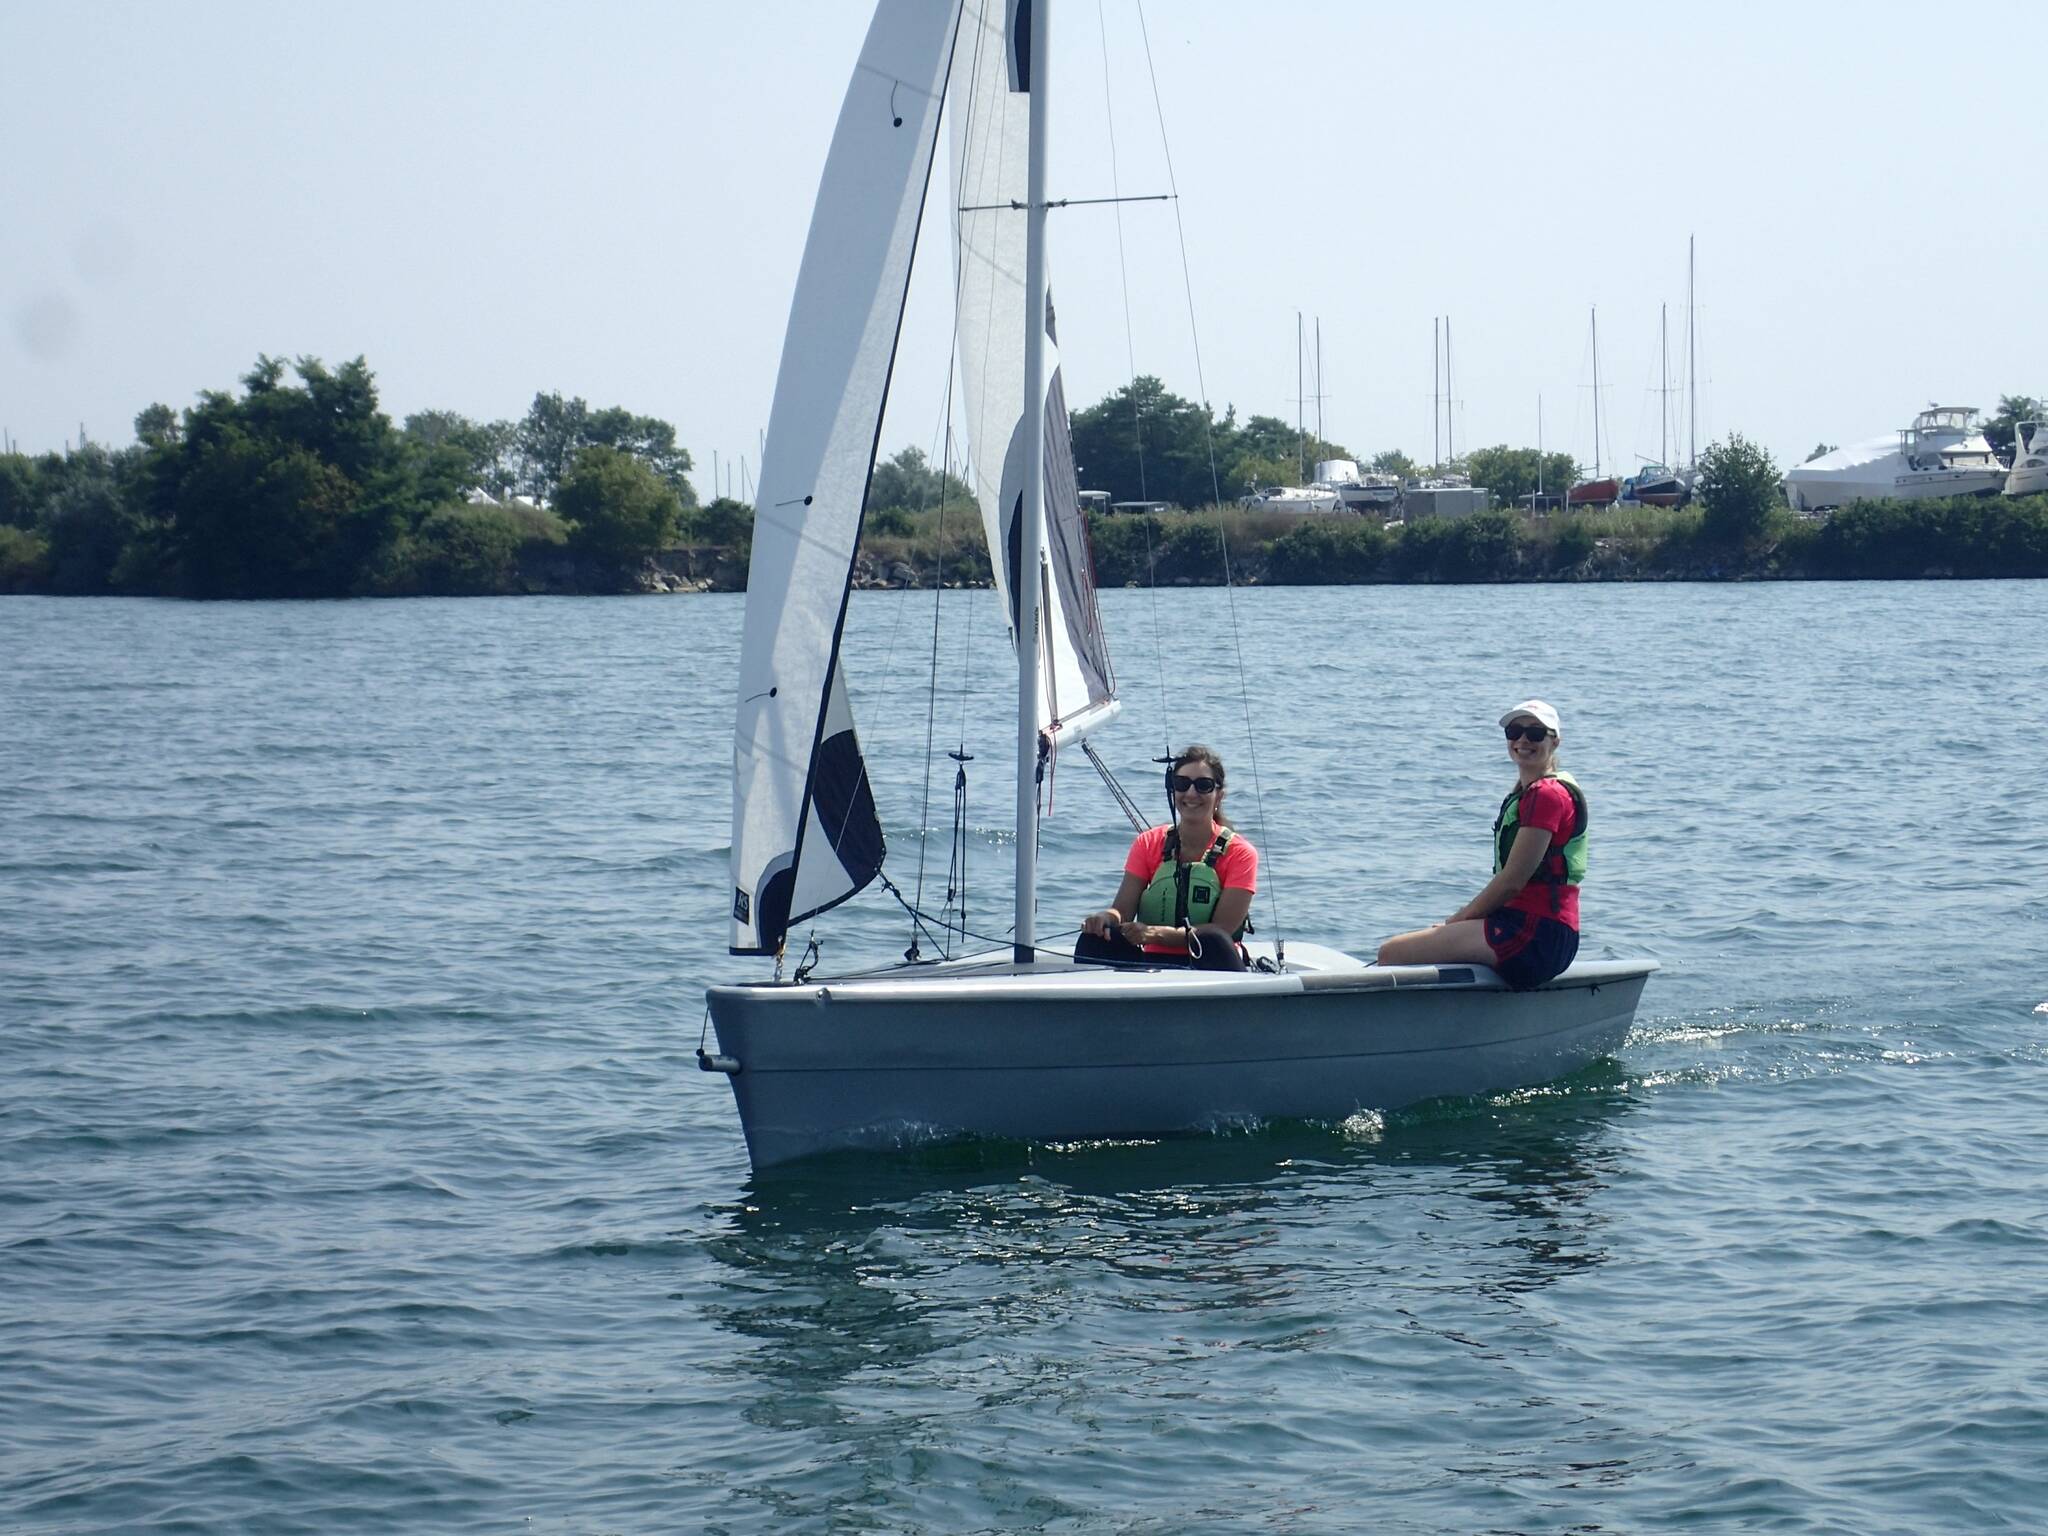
[{"x": 1022, "y": 1042}]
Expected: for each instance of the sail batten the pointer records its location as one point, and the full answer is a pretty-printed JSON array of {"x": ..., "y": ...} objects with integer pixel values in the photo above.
[{"x": 805, "y": 831}]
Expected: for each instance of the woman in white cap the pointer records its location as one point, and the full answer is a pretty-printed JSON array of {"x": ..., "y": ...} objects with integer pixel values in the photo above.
[{"x": 1525, "y": 923}]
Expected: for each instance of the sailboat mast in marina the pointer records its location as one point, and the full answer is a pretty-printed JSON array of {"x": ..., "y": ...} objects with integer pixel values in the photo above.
[{"x": 1020, "y": 1040}]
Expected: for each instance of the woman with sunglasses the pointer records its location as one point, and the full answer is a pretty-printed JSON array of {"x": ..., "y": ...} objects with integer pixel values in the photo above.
[
  {"x": 1525, "y": 923},
  {"x": 1187, "y": 887}
]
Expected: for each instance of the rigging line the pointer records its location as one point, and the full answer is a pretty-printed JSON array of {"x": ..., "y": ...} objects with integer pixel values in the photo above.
[
  {"x": 931, "y": 710},
  {"x": 945, "y": 454},
  {"x": 1013, "y": 206},
  {"x": 1001, "y": 943},
  {"x": 1117, "y": 791},
  {"x": 1131, "y": 362},
  {"x": 1216, "y": 489}
]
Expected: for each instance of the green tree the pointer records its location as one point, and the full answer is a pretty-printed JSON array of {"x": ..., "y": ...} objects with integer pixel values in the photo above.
[
  {"x": 909, "y": 483},
  {"x": 21, "y": 497},
  {"x": 1268, "y": 451},
  {"x": 1144, "y": 443},
  {"x": 290, "y": 490},
  {"x": 1393, "y": 461},
  {"x": 618, "y": 508},
  {"x": 1999, "y": 427},
  {"x": 1737, "y": 489},
  {"x": 157, "y": 426},
  {"x": 555, "y": 430},
  {"x": 24, "y": 559},
  {"x": 545, "y": 441},
  {"x": 470, "y": 456},
  {"x": 647, "y": 439},
  {"x": 725, "y": 523},
  {"x": 468, "y": 550},
  {"x": 1513, "y": 473},
  {"x": 89, "y": 525}
]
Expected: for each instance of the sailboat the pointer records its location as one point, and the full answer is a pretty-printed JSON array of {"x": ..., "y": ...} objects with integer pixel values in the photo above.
[
  {"x": 1021, "y": 1042},
  {"x": 1658, "y": 485},
  {"x": 1601, "y": 490}
]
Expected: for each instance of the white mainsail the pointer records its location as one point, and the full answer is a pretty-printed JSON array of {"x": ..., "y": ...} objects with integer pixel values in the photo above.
[
  {"x": 805, "y": 835},
  {"x": 990, "y": 111}
]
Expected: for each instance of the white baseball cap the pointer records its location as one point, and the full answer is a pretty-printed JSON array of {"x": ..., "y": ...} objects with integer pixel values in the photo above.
[{"x": 1543, "y": 713}]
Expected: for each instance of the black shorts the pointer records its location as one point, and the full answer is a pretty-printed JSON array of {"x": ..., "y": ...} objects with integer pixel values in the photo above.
[{"x": 1528, "y": 949}]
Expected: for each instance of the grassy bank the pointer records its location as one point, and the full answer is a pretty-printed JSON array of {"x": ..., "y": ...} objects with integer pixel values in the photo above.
[{"x": 1964, "y": 537}]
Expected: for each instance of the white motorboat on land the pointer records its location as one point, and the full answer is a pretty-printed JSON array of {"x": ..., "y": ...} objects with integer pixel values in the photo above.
[
  {"x": 1361, "y": 491},
  {"x": 1293, "y": 498},
  {"x": 1023, "y": 1042},
  {"x": 1941, "y": 454},
  {"x": 2029, "y": 475}
]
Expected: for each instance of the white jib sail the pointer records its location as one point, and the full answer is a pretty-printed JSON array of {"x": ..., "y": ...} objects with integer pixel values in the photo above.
[
  {"x": 805, "y": 835},
  {"x": 990, "y": 132}
]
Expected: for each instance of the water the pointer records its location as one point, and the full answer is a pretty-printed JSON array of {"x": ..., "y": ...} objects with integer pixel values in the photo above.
[{"x": 358, "y": 1176}]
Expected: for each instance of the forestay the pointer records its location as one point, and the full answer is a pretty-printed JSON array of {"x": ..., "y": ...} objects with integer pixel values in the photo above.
[
  {"x": 805, "y": 833},
  {"x": 990, "y": 113}
]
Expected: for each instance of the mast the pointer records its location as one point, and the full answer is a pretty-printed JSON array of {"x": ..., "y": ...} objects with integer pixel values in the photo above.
[
  {"x": 1300, "y": 409},
  {"x": 1031, "y": 516},
  {"x": 1539, "y": 450},
  {"x": 1319, "y": 378},
  {"x": 1663, "y": 382},
  {"x": 1596, "y": 394},
  {"x": 1436, "y": 387},
  {"x": 1692, "y": 365},
  {"x": 1450, "y": 427}
]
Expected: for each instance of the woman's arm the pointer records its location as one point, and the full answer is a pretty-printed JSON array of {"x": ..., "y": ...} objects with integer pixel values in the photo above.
[
  {"x": 1232, "y": 908},
  {"x": 1103, "y": 924},
  {"x": 1530, "y": 844}
]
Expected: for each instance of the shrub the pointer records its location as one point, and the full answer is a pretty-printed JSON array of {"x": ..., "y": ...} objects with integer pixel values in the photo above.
[
  {"x": 24, "y": 560},
  {"x": 1571, "y": 543},
  {"x": 1737, "y": 488},
  {"x": 468, "y": 550},
  {"x": 618, "y": 509},
  {"x": 1325, "y": 551}
]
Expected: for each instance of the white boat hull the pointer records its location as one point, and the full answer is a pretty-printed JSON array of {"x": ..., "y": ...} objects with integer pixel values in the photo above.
[{"x": 1061, "y": 1052}]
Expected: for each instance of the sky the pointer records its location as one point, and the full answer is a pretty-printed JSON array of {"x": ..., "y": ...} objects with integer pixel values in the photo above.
[{"x": 491, "y": 201}]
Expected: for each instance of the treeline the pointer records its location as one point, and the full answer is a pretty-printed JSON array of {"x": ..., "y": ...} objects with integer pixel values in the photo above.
[
  {"x": 302, "y": 487},
  {"x": 1144, "y": 443}
]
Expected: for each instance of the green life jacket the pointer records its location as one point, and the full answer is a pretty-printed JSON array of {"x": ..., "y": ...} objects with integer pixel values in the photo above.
[
  {"x": 1180, "y": 894},
  {"x": 1561, "y": 866}
]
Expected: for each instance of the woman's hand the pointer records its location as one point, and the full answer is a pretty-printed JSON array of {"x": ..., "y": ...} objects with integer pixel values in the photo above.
[{"x": 1103, "y": 924}]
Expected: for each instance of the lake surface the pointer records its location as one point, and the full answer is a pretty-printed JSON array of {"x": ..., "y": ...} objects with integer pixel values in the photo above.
[{"x": 358, "y": 1176}]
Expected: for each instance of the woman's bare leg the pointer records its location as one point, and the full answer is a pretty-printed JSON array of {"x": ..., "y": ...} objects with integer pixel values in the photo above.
[{"x": 1465, "y": 941}]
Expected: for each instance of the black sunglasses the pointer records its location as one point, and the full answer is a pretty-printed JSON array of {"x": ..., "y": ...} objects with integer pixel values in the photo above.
[
  {"x": 1180, "y": 784},
  {"x": 1530, "y": 732}
]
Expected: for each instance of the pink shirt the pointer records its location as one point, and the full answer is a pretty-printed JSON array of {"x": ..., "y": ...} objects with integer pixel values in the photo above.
[
  {"x": 1548, "y": 804},
  {"x": 1238, "y": 869}
]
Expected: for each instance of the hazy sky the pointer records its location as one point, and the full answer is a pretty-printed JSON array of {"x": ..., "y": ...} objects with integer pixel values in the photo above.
[{"x": 610, "y": 200}]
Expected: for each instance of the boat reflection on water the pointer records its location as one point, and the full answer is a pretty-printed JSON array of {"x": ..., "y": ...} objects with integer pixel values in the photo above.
[{"x": 849, "y": 1260}]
